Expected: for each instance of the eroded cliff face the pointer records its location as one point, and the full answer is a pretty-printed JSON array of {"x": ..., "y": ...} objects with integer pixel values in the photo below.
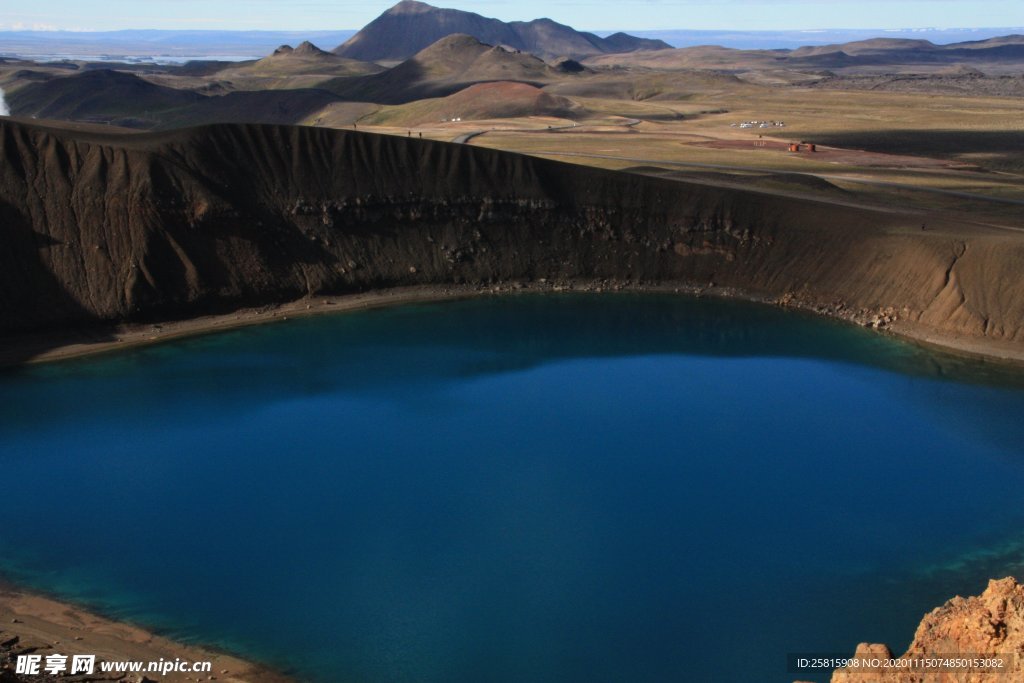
[
  {"x": 987, "y": 626},
  {"x": 104, "y": 228}
]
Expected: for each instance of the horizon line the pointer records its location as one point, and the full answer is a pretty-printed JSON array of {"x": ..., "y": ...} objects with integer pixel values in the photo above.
[{"x": 591, "y": 30}]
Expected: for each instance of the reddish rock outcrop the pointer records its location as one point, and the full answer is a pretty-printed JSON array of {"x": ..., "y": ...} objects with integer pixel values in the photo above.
[{"x": 987, "y": 626}]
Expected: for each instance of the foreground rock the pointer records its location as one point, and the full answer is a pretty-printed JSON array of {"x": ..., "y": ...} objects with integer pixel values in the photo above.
[{"x": 987, "y": 626}]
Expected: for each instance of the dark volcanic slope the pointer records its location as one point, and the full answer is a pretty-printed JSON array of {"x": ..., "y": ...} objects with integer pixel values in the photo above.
[
  {"x": 410, "y": 26},
  {"x": 443, "y": 68},
  {"x": 98, "y": 95},
  {"x": 105, "y": 96},
  {"x": 167, "y": 225}
]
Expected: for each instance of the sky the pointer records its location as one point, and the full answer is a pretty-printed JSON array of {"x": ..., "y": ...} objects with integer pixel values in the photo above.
[{"x": 749, "y": 15}]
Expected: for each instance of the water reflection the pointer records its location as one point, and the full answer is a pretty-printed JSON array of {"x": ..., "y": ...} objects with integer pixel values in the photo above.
[
  {"x": 457, "y": 341},
  {"x": 531, "y": 488}
]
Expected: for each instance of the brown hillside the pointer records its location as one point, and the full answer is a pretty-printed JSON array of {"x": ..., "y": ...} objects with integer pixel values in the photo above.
[
  {"x": 875, "y": 54},
  {"x": 305, "y": 60},
  {"x": 495, "y": 100},
  {"x": 445, "y": 67},
  {"x": 871, "y": 46},
  {"x": 121, "y": 99},
  {"x": 100, "y": 95},
  {"x": 103, "y": 228}
]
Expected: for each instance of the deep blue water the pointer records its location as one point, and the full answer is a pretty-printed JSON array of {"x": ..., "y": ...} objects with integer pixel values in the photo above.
[{"x": 538, "y": 488}]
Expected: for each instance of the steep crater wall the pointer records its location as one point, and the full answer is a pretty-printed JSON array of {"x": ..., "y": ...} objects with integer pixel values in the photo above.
[{"x": 100, "y": 228}]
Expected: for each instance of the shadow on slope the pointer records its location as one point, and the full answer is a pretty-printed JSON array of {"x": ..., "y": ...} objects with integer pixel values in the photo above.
[
  {"x": 443, "y": 68},
  {"x": 1001, "y": 150},
  {"x": 25, "y": 277},
  {"x": 122, "y": 99}
]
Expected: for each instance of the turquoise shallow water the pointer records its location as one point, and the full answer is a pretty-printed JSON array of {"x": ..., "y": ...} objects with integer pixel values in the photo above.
[{"x": 538, "y": 488}]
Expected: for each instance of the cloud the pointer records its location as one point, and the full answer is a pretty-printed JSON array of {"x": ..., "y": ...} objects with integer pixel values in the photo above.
[
  {"x": 34, "y": 26},
  {"x": 4, "y": 109}
]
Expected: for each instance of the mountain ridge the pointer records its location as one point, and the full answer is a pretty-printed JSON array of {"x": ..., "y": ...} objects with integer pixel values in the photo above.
[
  {"x": 445, "y": 67},
  {"x": 410, "y": 26},
  {"x": 878, "y": 51}
]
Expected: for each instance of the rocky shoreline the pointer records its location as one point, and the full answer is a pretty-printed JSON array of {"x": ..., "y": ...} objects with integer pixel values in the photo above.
[
  {"x": 988, "y": 627},
  {"x": 32, "y": 624},
  {"x": 36, "y": 348}
]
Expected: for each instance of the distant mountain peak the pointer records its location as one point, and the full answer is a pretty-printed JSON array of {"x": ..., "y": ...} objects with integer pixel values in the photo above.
[
  {"x": 410, "y": 7},
  {"x": 447, "y": 66},
  {"x": 305, "y": 49},
  {"x": 308, "y": 48},
  {"x": 410, "y": 26}
]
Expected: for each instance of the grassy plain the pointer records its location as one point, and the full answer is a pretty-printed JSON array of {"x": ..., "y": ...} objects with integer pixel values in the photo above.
[{"x": 903, "y": 150}]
